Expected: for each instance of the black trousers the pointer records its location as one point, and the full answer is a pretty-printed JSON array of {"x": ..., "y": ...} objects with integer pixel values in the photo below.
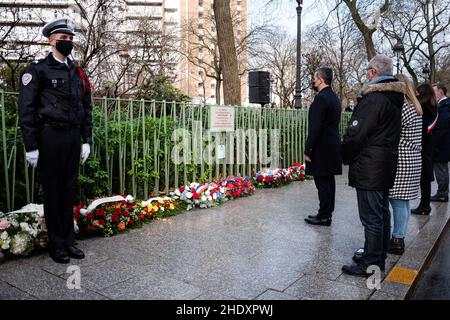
[
  {"x": 442, "y": 179},
  {"x": 326, "y": 187},
  {"x": 425, "y": 193},
  {"x": 59, "y": 159}
]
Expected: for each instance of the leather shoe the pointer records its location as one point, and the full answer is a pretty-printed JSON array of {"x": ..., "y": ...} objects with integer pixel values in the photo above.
[
  {"x": 74, "y": 252},
  {"x": 437, "y": 198},
  {"x": 312, "y": 216},
  {"x": 59, "y": 256},
  {"x": 421, "y": 211},
  {"x": 359, "y": 270},
  {"x": 318, "y": 221}
]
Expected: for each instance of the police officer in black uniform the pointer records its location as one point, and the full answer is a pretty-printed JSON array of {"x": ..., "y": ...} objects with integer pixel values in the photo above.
[{"x": 55, "y": 110}]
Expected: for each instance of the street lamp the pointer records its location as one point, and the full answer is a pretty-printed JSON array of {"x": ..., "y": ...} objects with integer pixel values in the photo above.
[
  {"x": 298, "y": 89},
  {"x": 426, "y": 71},
  {"x": 398, "y": 48}
]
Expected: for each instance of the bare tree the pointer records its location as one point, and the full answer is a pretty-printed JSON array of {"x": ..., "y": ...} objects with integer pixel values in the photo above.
[
  {"x": 276, "y": 53},
  {"x": 421, "y": 25},
  {"x": 16, "y": 40},
  {"x": 367, "y": 29}
]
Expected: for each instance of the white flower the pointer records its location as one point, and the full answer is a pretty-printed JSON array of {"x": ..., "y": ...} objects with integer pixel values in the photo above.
[
  {"x": 214, "y": 196},
  {"x": 208, "y": 192},
  {"x": 24, "y": 226},
  {"x": 177, "y": 192},
  {"x": 203, "y": 198},
  {"x": 21, "y": 243},
  {"x": 4, "y": 244},
  {"x": 4, "y": 235},
  {"x": 189, "y": 195}
]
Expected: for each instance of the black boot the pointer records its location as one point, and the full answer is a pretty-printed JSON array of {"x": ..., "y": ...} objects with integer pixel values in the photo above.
[
  {"x": 421, "y": 210},
  {"x": 396, "y": 246}
]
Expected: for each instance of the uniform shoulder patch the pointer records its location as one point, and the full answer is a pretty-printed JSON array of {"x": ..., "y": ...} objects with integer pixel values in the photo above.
[
  {"x": 37, "y": 61},
  {"x": 26, "y": 78}
]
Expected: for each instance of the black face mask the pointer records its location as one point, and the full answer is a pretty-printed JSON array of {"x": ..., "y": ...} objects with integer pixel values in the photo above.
[{"x": 64, "y": 47}]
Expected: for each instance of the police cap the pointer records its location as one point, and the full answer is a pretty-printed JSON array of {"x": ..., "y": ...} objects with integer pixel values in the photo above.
[{"x": 59, "y": 25}]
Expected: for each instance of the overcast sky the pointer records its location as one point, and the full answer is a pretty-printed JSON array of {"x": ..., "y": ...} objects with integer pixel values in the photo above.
[{"x": 284, "y": 13}]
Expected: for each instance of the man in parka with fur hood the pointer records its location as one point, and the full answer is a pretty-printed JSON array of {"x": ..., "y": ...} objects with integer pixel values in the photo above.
[{"x": 370, "y": 147}]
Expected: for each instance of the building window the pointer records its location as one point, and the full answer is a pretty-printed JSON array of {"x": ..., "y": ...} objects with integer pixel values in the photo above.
[
  {"x": 200, "y": 14},
  {"x": 200, "y": 25},
  {"x": 200, "y": 3}
]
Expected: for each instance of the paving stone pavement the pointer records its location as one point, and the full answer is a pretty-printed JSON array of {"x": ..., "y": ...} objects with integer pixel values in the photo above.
[{"x": 252, "y": 248}]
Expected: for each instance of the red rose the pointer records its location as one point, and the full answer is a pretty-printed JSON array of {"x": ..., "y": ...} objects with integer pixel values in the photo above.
[
  {"x": 126, "y": 214},
  {"x": 90, "y": 215},
  {"x": 142, "y": 216},
  {"x": 118, "y": 211},
  {"x": 196, "y": 195},
  {"x": 131, "y": 222},
  {"x": 89, "y": 229},
  {"x": 181, "y": 189},
  {"x": 100, "y": 212},
  {"x": 77, "y": 209},
  {"x": 114, "y": 217},
  {"x": 260, "y": 178},
  {"x": 101, "y": 222}
]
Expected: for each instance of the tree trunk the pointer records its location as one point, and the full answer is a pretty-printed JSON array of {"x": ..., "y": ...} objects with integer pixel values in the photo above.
[
  {"x": 227, "y": 52},
  {"x": 218, "y": 87}
]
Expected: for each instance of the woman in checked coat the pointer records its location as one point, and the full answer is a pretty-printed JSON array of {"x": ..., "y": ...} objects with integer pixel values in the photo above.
[{"x": 407, "y": 178}]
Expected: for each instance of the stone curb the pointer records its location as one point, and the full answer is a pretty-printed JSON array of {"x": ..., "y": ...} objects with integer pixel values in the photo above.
[{"x": 416, "y": 255}]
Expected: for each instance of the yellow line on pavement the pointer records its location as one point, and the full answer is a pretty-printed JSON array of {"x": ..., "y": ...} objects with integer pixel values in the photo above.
[{"x": 402, "y": 275}]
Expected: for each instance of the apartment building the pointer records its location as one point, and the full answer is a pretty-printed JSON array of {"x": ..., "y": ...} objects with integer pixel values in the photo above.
[
  {"x": 166, "y": 18},
  {"x": 197, "y": 77}
]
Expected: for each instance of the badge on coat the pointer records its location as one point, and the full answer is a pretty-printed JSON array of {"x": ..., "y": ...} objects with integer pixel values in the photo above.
[
  {"x": 355, "y": 123},
  {"x": 26, "y": 78}
]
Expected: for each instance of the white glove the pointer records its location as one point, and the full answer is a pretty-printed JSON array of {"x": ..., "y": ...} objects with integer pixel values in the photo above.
[
  {"x": 32, "y": 158},
  {"x": 85, "y": 151}
]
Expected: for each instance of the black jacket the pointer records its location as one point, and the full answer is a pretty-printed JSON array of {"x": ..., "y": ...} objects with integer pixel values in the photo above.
[
  {"x": 441, "y": 133},
  {"x": 323, "y": 142},
  {"x": 53, "y": 93},
  {"x": 370, "y": 144},
  {"x": 429, "y": 116}
]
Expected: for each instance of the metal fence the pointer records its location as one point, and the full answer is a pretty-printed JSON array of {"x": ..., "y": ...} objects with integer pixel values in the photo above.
[{"x": 135, "y": 140}]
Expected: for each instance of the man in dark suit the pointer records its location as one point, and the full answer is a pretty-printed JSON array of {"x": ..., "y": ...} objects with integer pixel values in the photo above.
[
  {"x": 441, "y": 139},
  {"x": 322, "y": 150}
]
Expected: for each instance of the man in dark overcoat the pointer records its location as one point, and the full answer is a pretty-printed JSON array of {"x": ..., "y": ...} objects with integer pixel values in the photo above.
[
  {"x": 322, "y": 150},
  {"x": 441, "y": 144}
]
